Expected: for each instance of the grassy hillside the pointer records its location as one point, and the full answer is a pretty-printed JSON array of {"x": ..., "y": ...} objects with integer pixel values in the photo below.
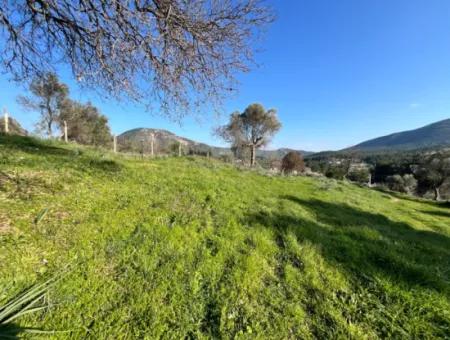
[{"x": 193, "y": 248}]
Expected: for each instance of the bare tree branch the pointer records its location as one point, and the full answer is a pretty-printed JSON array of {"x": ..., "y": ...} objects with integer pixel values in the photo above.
[{"x": 178, "y": 53}]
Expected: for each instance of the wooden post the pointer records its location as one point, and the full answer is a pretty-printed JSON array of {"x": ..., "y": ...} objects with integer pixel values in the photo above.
[
  {"x": 6, "y": 121},
  {"x": 151, "y": 144},
  {"x": 179, "y": 149},
  {"x": 115, "y": 143},
  {"x": 207, "y": 155},
  {"x": 66, "y": 137}
]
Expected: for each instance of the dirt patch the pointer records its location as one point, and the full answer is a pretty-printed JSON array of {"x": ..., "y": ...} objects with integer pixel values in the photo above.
[{"x": 5, "y": 225}]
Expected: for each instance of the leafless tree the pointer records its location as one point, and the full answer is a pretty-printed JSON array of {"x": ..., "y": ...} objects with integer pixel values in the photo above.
[{"x": 179, "y": 53}]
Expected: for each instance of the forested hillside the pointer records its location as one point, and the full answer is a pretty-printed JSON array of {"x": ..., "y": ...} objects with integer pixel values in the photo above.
[{"x": 433, "y": 135}]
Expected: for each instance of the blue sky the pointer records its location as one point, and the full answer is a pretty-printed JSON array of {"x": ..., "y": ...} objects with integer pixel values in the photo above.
[{"x": 339, "y": 72}]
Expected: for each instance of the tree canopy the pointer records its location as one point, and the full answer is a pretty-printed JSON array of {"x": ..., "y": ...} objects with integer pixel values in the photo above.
[
  {"x": 252, "y": 129},
  {"x": 178, "y": 53},
  {"x": 432, "y": 173},
  {"x": 86, "y": 125},
  {"x": 48, "y": 94}
]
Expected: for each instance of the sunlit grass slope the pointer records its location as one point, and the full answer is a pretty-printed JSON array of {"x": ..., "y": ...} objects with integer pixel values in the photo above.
[{"x": 193, "y": 248}]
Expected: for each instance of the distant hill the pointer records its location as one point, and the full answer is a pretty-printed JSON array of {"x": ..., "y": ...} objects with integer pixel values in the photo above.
[
  {"x": 279, "y": 153},
  {"x": 140, "y": 138},
  {"x": 430, "y": 136},
  {"x": 14, "y": 127}
]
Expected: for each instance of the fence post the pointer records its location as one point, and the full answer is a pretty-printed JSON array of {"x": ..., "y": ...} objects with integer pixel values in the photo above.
[
  {"x": 115, "y": 143},
  {"x": 6, "y": 121},
  {"x": 66, "y": 137},
  {"x": 152, "y": 136},
  {"x": 179, "y": 149}
]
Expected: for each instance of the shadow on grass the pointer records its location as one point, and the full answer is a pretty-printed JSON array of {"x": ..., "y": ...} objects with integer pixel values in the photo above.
[
  {"x": 10, "y": 331},
  {"x": 31, "y": 145},
  {"x": 437, "y": 213},
  {"x": 367, "y": 244},
  {"x": 64, "y": 156},
  {"x": 436, "y": 204}
]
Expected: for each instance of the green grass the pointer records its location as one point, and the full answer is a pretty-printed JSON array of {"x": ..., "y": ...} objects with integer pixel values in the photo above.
[{"x": 193, "y": 248}]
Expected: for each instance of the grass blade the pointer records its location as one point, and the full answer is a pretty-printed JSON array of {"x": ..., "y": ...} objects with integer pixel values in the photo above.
[{"x": 40, "y": 216}]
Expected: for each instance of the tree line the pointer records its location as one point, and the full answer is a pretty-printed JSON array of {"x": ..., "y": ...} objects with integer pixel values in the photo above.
[
  {"x": 50, "y": 98},
  {"x": 420, "y": 172}
]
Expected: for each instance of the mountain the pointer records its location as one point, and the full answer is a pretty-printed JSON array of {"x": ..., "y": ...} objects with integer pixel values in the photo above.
[
  {"x": 430, "y": 136},
  {"x": 279, "y": 153},
  {"x": 14, "y": 127},
  {"x": 165, "y": 142}
]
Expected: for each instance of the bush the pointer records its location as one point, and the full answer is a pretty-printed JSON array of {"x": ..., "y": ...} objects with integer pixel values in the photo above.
[
  {"x": 336, "y": 172},
  {"x": 359, "y": 176},
  {"x": 410, "y": 183},
  {"x": 395, "y": 183},
  {"x": 226, "y": 158},
  {"x": 405, "y": 184},
  {"x": 293, "y": 161}
]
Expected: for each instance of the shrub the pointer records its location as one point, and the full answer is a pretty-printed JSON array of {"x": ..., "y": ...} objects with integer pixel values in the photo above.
[
  {"x": 293, "y": 161},
  {"x": 405, "y": 184},
  {"x": 336, "y": 172},
  {"x": 410, "y": 183},
  {"x": 395, "y": 183},
  {"x": 359, "y": 176},
  {"x": 226, "y": 158}
]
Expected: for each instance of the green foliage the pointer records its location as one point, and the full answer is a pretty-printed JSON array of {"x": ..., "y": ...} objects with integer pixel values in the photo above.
[
  {"x": 432, "y": 173},
  {"x": 250, "y": 130},
  {"x": 405, "y": 183},
  {"x": 194, "y": 248},
  {"x": 48, "y": 96},
  {"x": 414, "y": 172},
  {"x": 86, "y": 125},
  {"x": 336, "y": 171},
  {"x": 27, "y": 302},
  {"x": 176, "y": 147},
  {"x": 359, "y": 175}
]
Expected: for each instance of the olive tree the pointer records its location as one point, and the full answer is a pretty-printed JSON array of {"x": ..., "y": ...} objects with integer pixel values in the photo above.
[
  {"x": 252, "y": 128},
  {"x": 86, "y": 125},
  {"x": 48, "y": 96},
  {"x": 176, "y": 52},
  {"x": 432, "y": 173}
]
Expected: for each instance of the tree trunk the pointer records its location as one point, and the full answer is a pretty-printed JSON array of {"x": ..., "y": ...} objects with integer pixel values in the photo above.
[
  {"x": 437, "y": 194},
  {"x": 49, "y": 129},
  {"x": 253, "y": 155}
]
